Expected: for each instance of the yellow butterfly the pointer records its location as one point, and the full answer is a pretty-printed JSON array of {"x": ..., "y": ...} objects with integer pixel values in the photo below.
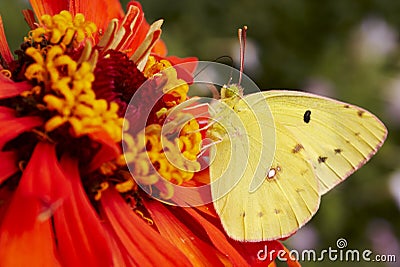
[{"x": 305, "y": 144}]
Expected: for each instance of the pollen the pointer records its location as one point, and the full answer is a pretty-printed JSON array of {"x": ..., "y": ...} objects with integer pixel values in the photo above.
[
  {"x": 174, "y": 160},
  {"x": 63, "y": 29},
  {"x": 103, "y": 186},
  {"x": 68, "y": 94},
  {"x": 175, "y": 90}
]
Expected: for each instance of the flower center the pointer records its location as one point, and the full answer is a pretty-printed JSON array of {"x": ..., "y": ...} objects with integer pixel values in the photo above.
[{"x": 67, "y": 92}]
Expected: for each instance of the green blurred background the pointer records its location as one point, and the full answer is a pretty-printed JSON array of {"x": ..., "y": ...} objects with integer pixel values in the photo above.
[{"x": 348, "y": 50}]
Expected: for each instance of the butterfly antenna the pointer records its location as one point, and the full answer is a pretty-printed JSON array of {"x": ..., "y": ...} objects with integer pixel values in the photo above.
[
  {"x": 242, "y": 44},
  {"x": 205, "y": 147}
]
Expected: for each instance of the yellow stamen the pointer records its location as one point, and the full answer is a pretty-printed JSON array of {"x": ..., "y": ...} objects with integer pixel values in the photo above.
[
  {"x": 148, "y": 220},
  {"x": 103, "y": 187},
  {"x": 174, "y": 160},
  {"x": 69, "y": 93},
  {"x": 63, "y": 29},
  {"x": 6, "y": 73},
  {"x": 175, "y": 90}
]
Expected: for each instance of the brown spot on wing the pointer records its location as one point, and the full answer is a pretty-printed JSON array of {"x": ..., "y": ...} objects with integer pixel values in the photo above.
[
  {"x": 297, "y": 148},
  {"x": 360, "y": 113},
  {"x": 322, "y": 159},
  {"x": 260, "y": 214},
  {"x": 338, "y": 151}
]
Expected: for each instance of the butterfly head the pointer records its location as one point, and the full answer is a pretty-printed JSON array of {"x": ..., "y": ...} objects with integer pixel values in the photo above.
[{"x": 231, "y": 93}]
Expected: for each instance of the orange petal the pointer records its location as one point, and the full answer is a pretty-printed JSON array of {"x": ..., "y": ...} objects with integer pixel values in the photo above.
[
  {"x": 141, "y": 31},
  {"x": 198, "y": 252},
  {"x": 138, "y": 241},
  {"x": 44, "y": 178},
  {"x": 16, "y": 126},
  {"x": 100, "y": 13},
  {"x": 290, "y": 262},
  {"x": 42, "y": 7},
  {"x": 25, "y": 240},
  {"x": 8, "y": 165},
  {"x": 80, "y": 235},
  {"x": 160, "y": 48},
  {"x": 109, "y": 150},
  {"x": 9, "y": 88},
  {"x": 4, "y": 48},
  {"x": 129, "y": 26}
]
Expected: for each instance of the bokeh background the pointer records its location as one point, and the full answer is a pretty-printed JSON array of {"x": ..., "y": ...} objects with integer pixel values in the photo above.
[{"x": 349, "y": 50}]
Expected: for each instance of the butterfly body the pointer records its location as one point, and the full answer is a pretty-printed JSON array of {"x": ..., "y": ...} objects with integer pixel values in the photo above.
[{"x": 297, "y": 146}]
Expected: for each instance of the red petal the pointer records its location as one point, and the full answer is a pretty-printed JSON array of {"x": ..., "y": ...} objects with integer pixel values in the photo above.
[
  {"x": 198, "y": 252},
  {"x": 253, "y": 250},
  {"x": 109, "y": 150},
  {"x": 4, "y": 48},
  {"x": 80, "y": 235},
  {"x": 8, "y": 165},
  {"x": 130, "y": 24},
  {"x": 9, "y": 88},
  {"x": 44, "y": 179},
  {"x": 7, "y": 113},
  {"x": 16, "y": 126},
  {"x": 42, "y": 7},
  {"x": 139, "y": 241},
  {"x": 5, "y": 199},
  {"x": 25, "y": 240},
  {"x": 141, "y": 31},
  {"x": 219, "y": 240},
  {"x": 190, "y": 62}
]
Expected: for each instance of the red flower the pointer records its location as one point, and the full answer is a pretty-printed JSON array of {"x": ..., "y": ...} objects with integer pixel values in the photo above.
[{"x": 67, "y": 197}]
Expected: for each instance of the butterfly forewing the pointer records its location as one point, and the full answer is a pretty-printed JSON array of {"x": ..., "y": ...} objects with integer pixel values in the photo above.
[
  {"x": 288, "y": 195},
  {"x": 338, "y": 138}
]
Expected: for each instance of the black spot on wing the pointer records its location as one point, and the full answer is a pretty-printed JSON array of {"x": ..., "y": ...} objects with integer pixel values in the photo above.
[
  {"x": 346, "y": 106},
  {"x": 322, "y": 159},
  {"x": 307, "y": 116}
]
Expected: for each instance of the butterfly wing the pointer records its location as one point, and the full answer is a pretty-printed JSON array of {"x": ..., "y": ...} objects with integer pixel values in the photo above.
[
  {"x": 319, "y": 143},
  {"x": 288, "y": 196},
  {"x": 337, "y": 138}
]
